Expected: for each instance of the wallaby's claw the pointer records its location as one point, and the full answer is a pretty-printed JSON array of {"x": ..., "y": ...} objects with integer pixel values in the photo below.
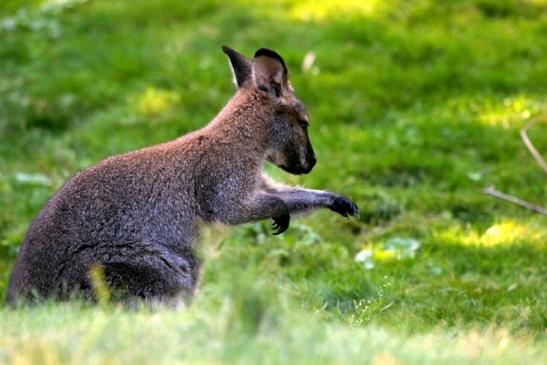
[
  {"x": 281, "y": 223},
  {"x": 345, "y": 207}
]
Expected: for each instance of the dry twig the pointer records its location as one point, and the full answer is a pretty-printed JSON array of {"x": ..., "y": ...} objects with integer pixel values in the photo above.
[
  {"x": 531, "y": 147},
  {"x": 513, "y": 199}
]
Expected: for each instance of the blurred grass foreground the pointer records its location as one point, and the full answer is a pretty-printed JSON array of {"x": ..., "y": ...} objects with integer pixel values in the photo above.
[{"x": 415, "y": 106}]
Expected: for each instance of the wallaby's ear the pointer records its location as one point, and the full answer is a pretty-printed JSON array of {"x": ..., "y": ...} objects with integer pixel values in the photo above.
[
  {"x": 269, "y": 72},
  {"x": 241, "y": 66}
]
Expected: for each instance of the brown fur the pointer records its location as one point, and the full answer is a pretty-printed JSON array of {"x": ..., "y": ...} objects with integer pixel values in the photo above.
[{"x": 136, "y": 215}]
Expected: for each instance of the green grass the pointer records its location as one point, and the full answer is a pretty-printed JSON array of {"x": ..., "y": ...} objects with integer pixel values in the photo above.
[{"x": 415, "y": 106}]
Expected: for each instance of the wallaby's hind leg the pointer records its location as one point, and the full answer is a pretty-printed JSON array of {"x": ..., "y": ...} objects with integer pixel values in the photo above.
[
  {"x": 129, "y": 282},
  {"x": 140, "y": 272}
]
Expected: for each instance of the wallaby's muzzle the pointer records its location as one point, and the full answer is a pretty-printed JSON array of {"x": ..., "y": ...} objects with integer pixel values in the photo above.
[
  {"x": 310, "y": 157},
  {"x": 299, "y": 166},
  {"x": 310, "y": 164}
]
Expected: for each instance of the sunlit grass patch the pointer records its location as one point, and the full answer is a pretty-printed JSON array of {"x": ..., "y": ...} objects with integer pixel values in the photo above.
[
  {"x": 154, "y": 102},
  {"x": 393, "y": 249},
  {"x": 325, "y": 9},
  {"x": 512, "y": 112},
  {"x": 505, "y": 232}
]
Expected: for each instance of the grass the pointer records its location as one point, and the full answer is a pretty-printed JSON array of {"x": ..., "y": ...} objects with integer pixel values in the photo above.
[{"x": 415, "y": 108}]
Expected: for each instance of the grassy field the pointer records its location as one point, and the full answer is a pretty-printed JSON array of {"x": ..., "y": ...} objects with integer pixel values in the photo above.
[{"x": 415, "y": 106}]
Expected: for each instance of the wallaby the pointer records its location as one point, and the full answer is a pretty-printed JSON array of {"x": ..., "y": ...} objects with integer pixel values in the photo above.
[{"x": 135, "y": 216}]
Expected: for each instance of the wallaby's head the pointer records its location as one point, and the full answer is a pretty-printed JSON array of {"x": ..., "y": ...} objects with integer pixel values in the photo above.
[{"x": 287, "y": 121}]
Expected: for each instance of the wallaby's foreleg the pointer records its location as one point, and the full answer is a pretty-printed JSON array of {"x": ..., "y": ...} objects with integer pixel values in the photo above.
[
  {"x": 278, "y": 202},
  {"x": 258, "y": 207},
  {"x": 300, "y": 200}
]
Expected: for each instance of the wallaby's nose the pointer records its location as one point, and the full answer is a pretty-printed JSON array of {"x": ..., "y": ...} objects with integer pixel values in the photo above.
[{"x": 311, "y": 163}]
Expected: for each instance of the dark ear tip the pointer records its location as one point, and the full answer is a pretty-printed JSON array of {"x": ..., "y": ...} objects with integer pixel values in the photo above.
[
  {"x": 272, "y": 54},
  {"x": 267, "y": 52},
  {"x": 226, "y": 49}
]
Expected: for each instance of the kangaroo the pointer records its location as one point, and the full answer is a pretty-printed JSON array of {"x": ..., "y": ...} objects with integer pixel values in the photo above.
[{"x": 136, "y": 215}]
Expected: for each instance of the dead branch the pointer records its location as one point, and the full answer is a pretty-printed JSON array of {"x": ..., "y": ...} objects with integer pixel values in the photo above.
[
  {"x": 512, "y": 199},
  {"x": 534, "y": 152},
  {"x": 531, "y": 147}
]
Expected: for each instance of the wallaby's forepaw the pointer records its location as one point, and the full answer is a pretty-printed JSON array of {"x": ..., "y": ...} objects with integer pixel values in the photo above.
[
  {"x": 345, "y": 207},
  {"x": 281, "y": 223}
]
